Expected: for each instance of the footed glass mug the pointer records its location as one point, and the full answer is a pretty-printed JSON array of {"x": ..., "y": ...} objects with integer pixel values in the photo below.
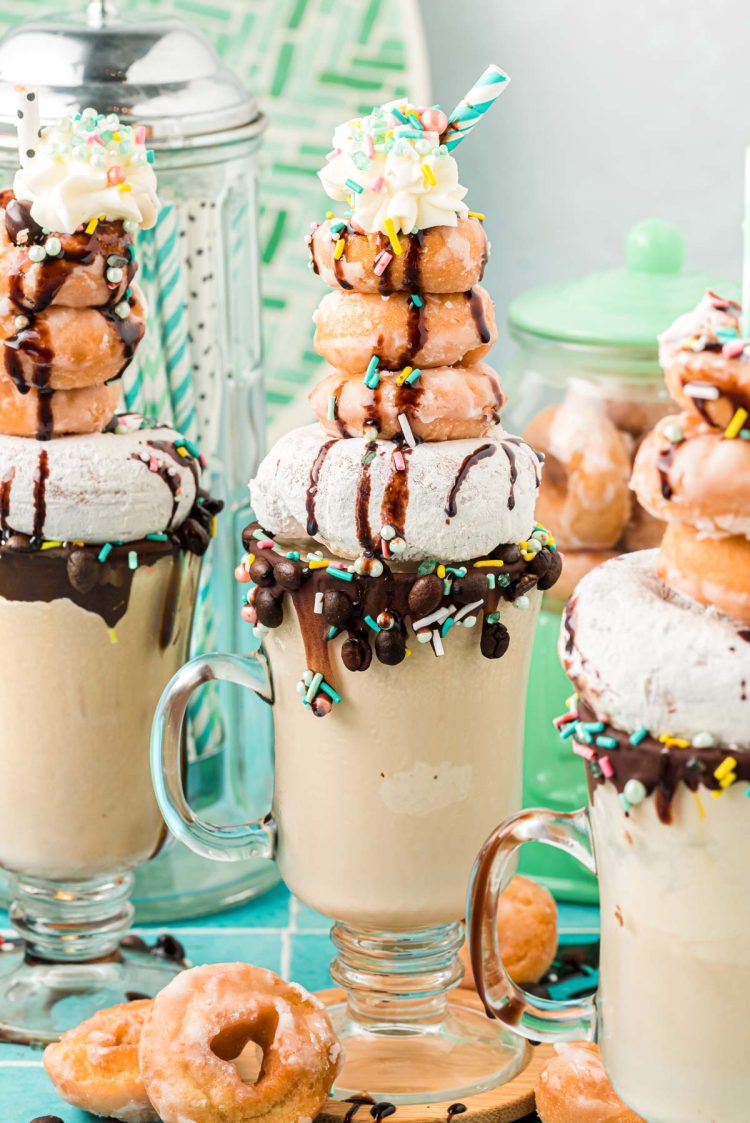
[
  {"x": 378, "y": 812},
  {"x": 670, "y": 1014}
]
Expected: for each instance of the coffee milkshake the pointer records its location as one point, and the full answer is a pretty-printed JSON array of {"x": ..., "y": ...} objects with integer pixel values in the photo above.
[
  {"x": 396, "y": 564},
  {"x": 102, "y": 525},
  {"x": 657, "y": 645}
]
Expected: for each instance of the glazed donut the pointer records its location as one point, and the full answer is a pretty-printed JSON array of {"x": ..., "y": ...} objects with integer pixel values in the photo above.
[
  {"x": 703, "y": 479},
  {"x": 205, "y": 1016},
  {"x": 576, "y": 564},
  {"x": 574, "y": 1088},
  {"x": 633, "y": 416},
  {"x": 76, "y": 277},
  {"x": 68, "y": 348},
  {"x": 95, "y": 1066},
  {"x": 527, "y": 926},
  {"x": 447, "y": 329},
  {"x": 70, "y": 411},
  {"x": 584, "y": 494},
  {"x": 439, "y": 259},
  {"x": 444, "y": 404},
  {"x": 713, "y": 571}
]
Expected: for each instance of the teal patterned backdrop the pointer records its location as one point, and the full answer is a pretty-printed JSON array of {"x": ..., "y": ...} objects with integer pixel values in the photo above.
[{"x": 312, "y": 63}]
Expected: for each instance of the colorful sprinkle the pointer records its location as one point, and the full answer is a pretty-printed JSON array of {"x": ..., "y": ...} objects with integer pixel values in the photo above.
[
  {"x": 382, "y": 262},
  {"x": 476, "y": 214},
  {"x": 390, "y": 230},
  {"x": 735, "y": 425},
  {"x": 409, "y": 437},
  {"x": 607, "y": 742},
  {"x": 339, "y": 249},
  {"x": 639, "y": 735},
  {"x": 354, "y": 186},
  {"x": 105, "y": 551},
  {"x": 132, "y": 559},
  {"x": 372, "y": 624},
  {"x": 429, "y": 175},
  {"x": 340, "y": 573},
  {"x": 635, "y": 791}
]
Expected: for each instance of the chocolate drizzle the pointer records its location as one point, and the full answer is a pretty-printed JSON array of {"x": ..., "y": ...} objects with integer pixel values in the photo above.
[
  {"x": 362, "y": 509},
  {"x": 468, "y": 462},
  {"x": 40, "y": 495},
  {"x": 395, "y": 500},
  {"x": 339, "y": 262},
  {"x": 312, "y": 490},
  {"x": 510, "y": 452},
  {"x": 477, "y": 312},
  {"x": 6, "y": 485},
  {"x": 664, "y": 463}
]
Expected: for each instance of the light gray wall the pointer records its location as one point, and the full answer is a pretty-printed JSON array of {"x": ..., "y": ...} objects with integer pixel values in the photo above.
[{"x": 618, "y": 110}]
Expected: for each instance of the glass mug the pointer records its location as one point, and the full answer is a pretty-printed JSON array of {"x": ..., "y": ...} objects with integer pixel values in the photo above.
[
  {"x": 670, "y": 1014},
  {"x": 378, "y": 812}
]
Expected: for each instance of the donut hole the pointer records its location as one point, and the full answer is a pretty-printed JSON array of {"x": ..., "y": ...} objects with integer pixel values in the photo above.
[{"x": 244, "y": 1045}]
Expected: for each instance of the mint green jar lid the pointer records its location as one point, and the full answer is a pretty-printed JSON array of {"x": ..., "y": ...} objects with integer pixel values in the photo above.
[{"x": 621, "y": 308}]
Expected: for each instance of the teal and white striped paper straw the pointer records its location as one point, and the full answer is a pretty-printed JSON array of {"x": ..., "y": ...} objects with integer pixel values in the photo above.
[{"x": 473, "y": 105}]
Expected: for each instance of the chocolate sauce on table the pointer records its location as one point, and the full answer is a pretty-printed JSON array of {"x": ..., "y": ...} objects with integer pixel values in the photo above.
[
  {"x": 456, "y": 1109},
  {"x": 468, "y": 462},
  {"x": 382, "y": 1111},
  {"x": 357, "y": 1102},
  {"x": 312, "y": 490}
]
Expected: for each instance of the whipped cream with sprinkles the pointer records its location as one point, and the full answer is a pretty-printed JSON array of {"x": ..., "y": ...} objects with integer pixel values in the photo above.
[
  {"x": 85, "y": 169},
  {"x": 394, "y": 172}
]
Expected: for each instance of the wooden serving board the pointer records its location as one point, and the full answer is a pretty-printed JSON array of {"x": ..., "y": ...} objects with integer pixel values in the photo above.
[{"x": 506, "y": 1104}]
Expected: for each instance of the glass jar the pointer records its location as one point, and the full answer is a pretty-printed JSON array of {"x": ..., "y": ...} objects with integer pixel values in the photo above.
[
  {"x": 199, "y": 366},
  {"x": 585, "y": 387}
]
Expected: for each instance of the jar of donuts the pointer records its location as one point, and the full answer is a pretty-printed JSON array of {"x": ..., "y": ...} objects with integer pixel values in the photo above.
[{"x": 585, "y": 387}]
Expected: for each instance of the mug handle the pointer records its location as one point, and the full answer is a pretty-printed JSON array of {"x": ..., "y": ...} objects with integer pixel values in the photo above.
[
  {"x": 538, "y": 1019},
  {"x": 225, "y": 843}
]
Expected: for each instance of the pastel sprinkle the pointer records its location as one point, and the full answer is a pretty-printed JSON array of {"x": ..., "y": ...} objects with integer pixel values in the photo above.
[
  {"x": 390, "y": 230},
  {"x": 340, "y": 573},
  {"x": 726, "y": 767},
  {"x": 429, "y": 175},
  {"x": 639, "y": 735},
  {"x": 606, "y": 766},
  {"x": 476, "y": 214},
  {"x": 635, "y": 791},
  {"x": 398, "y": 461},
  {"x": 354, "y": 186},
  {"x": 607, "y": 742},
  {"x": 330, "y": 692},
  {"x": 158, "y": 537},
  {"x": 339, "y": 249},
  {"x": 377, "y": 184},
  {"x": 416, "y": 300},
  {"x": 332, "y": 407},
  {"x": 735, "y": 425},
  {"x": 447, "y": 625},
  {"x": 318, "y": 604},
  {"x": 105, "y": 551},
  {"x": 383, "y": 261},
  {"x": 113, "y": 638},
  {"x": 312, "y": 690},
  {"x": 488, "y": 562},
  {"x": 409, "y": 437},
  {"x": 584, "y": 751},
  {"x": 132, "y": 559},
  {"x": 568, "y": 730}
]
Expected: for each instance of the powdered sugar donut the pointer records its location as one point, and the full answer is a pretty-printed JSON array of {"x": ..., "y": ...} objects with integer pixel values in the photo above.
[
  {"x": 98, "y": 487},
  {"x": 435, "y": 330},
  {"x": 574, "y": 1088},
  {"x": 440, "y": 259},
  {"x": 205, "y": 1016}
]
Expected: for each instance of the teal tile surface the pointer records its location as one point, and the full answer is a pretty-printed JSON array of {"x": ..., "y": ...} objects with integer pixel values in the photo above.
[{"x": 276, "y": 931}]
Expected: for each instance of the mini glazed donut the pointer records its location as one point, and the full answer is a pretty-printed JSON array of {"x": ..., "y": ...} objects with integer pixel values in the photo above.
[
  {"x": 576, "y": 564},
  {"x": 685, "y": 471},
  {"x": 634, "y": 416},
  {"x": 439, "y": 259},
  {"x": 444, "y": 404},
  {"x": 574, "y": 1088},
  {"x": 75, "y": 277},
  {"x": 527, "y": 926},
  {"x": 713, "y": 571},
  {"x": 35, "y": 413},
  {"x": 205, "y": 1016},
  {"x": 68, "y": 348},
  {"x": 95, "y": 1066},
  {"x": 584, "y": 494},
  {"x": 444, "y": 330}
]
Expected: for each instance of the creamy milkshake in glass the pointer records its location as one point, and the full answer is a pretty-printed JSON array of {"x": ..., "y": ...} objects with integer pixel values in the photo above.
[
  {"x": 102, "y": 525},
  {"x": 394, "y": 575},
  {"x": 657, "y": 646}
]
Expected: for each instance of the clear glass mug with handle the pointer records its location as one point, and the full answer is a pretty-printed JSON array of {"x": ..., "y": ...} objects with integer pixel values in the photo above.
[
  {"x": 378, "y": 811},
  {"x": 674, "y": 982}
]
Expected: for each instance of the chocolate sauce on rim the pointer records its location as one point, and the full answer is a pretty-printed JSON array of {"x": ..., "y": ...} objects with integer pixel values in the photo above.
[
  {"x": 468, "y": 462},
  {"x": 477, "y": 312},
  {"x": 312, "y": 490}
]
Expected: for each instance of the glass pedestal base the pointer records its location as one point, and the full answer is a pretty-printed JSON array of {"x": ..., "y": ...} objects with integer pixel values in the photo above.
[
  {"x": 461, "y": 1056},
  {"x": 40, "y": 1000},
  {"x": 404, "y": 1040}
]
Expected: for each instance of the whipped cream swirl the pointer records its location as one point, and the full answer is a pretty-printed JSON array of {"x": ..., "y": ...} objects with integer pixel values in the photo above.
[
  {"x": 394, "y": 171},
  {"x": 88, "y": 167}
]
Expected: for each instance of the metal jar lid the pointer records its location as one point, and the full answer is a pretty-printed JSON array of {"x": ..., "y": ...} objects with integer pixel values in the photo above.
[{"x": 161, "y": 73}]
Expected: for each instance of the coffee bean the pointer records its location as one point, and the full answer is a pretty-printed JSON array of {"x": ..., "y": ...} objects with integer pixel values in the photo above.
[
  {"x": 247, "y": 539},
  {"x": 167, "y": 947},
  {"x": 337, "y": 607},
  {"x": 425, "y": 595},
  {"x": 269, "y": 608},
  {"x": 261, "y": 572},
  {"x": 47, "y": 1119},
  {"x": 547, "y": 565},
  {"x": 194, "y": 536},
  {"x": 133, "y": 943},
  {"x": 83, "y": 571},
  {"x": 470, "y": 588},
  {"x": 495, "y": 640},
  {"x": 390, "y": 647},
  {"x": 288, "y": 574},
  {"x": 510, "y": 554},
  {"x": 356, "y": 654},
  {"x": 18, "y": 542}
]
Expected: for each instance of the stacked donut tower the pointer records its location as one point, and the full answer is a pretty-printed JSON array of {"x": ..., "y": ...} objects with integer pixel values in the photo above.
[
  {"x": 71, "y": 318},
  {"x": 693, "y": 470},
  {"x": 409, "y": 463}
]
